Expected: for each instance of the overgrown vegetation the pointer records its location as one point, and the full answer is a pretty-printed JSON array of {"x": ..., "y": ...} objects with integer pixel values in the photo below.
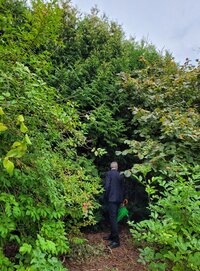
[
  {"x": 170, "y": 238},
  {"x": 74, "y": 94},
  {"x": 166, "y": 137}
]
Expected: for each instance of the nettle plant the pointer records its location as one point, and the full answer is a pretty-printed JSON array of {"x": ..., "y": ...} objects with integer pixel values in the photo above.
[{"x": 170, "y": 238}]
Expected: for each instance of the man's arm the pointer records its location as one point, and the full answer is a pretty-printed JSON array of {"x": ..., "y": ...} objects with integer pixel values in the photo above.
[{"x": 107, "y": 185}]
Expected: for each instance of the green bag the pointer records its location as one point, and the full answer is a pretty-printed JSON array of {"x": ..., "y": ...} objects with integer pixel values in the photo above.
[{"x": 122, "y": 212}]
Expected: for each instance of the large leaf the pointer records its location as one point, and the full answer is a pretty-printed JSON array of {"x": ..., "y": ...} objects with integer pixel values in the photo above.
[
  {"x": 1, "y": 111},
  {"x": 8, "y": 165},
  {"x": 3, "y": 127},
  {"x": 23, "y": 128}
]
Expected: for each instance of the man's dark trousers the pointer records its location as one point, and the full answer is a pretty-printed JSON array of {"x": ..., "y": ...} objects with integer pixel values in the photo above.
[{"x": 113, "y": 210}]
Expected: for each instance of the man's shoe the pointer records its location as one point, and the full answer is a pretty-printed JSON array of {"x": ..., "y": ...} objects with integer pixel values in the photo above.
[
  {"x": 107, "y": 238},
  {"x": 114, "y": 244}
]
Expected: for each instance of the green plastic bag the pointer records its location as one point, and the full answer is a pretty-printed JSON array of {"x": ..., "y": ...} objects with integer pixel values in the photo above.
[{"x": 122, "y": 212}]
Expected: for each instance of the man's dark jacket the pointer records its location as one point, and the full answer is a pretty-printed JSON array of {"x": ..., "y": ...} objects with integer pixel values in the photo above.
[{"x": 114, "y": 186}]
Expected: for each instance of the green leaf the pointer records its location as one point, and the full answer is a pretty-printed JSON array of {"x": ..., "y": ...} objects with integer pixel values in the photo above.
[
  {"x": 2, "y": 127},
  {"x": 127, "y": 173},
  {"x": 20, "y": 118},
  {"x": 6, "y": 94},
  {"x": 23, "y": 128},
  {"x": 17, "y": 153},
  {"x": 25, "y": 248},
  {"x": 8, "y": 165},
  {"x": 140, "y": 156},
  {"x": 1, "y": 111},
  {"x": 16, "y": 144},
  {"x": 194, "y": 259},
  {"x": 27, "y": 139}
]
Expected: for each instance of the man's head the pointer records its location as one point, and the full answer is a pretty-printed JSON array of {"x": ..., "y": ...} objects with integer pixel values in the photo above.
[{"x": 114, "y": 165}]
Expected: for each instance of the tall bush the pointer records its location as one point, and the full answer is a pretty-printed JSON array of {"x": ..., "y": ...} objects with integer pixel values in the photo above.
[
  {"x": 40, "y": 204},
  {"x": 165, "y": 145}
]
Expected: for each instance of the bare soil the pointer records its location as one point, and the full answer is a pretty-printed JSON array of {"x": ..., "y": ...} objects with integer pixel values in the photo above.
[{"x": 123, "y": 258}]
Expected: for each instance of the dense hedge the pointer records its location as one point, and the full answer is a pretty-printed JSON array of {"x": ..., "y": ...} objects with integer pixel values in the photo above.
[{"x": 74, "y": 96}]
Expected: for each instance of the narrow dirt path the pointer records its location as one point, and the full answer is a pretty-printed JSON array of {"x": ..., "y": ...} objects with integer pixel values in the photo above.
[{"x": 123, "y": 258}]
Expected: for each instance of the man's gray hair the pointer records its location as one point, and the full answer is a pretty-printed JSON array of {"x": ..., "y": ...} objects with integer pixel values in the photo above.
[{"x": 114, "y": 165}]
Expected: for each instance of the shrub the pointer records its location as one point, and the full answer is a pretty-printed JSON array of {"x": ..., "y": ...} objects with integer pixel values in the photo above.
[
  {"x": 171, "y": 236},
  {"x": 43, "y": 182}
]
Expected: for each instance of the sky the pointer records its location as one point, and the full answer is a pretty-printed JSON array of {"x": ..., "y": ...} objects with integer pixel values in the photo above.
[{"x": 172, "y": 25}]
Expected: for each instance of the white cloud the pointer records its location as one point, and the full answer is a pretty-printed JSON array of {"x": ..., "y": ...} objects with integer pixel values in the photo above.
[{"x": 169, "y": 24}]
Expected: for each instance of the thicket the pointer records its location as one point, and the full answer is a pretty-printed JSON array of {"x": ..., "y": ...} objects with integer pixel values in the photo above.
[
  {"x": 47, "y": 189},
  {"x": 166, "y": 142},
  {"x": 74, "y": 96}
]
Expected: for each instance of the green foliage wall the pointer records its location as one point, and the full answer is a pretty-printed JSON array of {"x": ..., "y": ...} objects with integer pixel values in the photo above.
[
  {"x": 165, "y": 142},
  {"x": 47, "y": 190},
  {"x": 50, "y": 183},
  {"x": 73, "y": 92},
  {"x": 165, "y": 110},
  {"x": 94, "y": 52}
]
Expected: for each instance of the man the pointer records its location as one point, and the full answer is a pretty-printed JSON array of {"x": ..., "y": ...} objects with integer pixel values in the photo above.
[{"x": 114, "y": 195}]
